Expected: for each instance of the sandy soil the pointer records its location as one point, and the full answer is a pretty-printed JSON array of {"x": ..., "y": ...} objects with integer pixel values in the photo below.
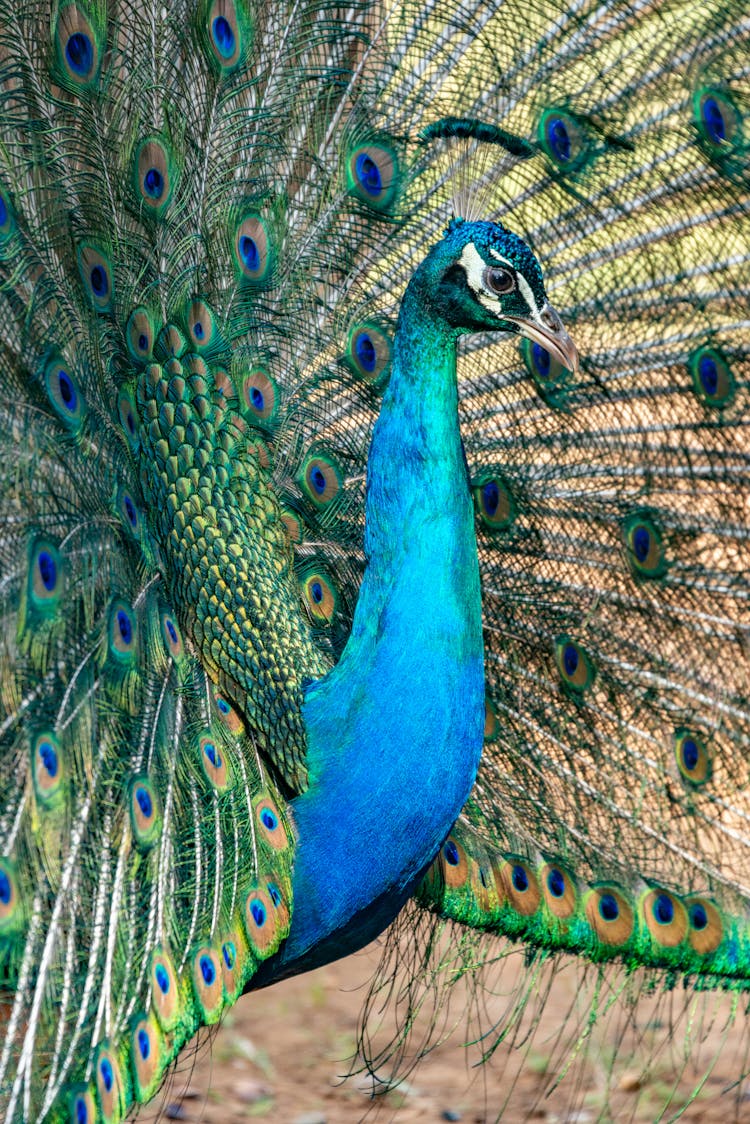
[{"x": 280, "y": 1055}]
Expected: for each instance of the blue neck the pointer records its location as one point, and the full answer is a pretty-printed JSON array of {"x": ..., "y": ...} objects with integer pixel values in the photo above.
[{"x": 395, "y": 729}]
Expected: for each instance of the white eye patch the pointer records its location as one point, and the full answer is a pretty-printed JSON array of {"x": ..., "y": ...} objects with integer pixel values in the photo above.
[{"x": 474, "y": 266}]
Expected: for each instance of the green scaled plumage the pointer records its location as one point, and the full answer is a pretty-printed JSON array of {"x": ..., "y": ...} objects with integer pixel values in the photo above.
[{"x": 209, "y": 213}]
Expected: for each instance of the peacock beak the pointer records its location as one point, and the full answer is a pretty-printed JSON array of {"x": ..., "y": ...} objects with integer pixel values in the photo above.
[{"x": 550, "y": 335}]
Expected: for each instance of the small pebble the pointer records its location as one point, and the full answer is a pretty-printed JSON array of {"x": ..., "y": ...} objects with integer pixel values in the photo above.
[
  {"x": 175, "y": 1111},
  {"x": 630, "y": 1082},
  {"x": 451, "y": 1114}
]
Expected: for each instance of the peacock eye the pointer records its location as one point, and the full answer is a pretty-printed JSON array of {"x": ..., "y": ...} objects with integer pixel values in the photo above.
[{"x": 499, "y": 280}]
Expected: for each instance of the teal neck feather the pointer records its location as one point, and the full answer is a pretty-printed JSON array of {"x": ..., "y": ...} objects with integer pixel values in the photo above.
[{"x": 395, "y": 729}]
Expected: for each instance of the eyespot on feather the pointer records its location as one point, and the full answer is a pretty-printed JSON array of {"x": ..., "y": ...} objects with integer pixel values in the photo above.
[
  {"x": 718, "y": 121},
  {"x": 64, "y": 393},
  {"x": 517, "y": 885},
  {"x": 96, "y": 276},
  {"x": 266, "y": 919},
  {"x": 610, "y": 915},
  {"x": 259, "y": 396},
  {"x": 665, "y": 917},
  {"x": 270, "y": 824},
  {"x": 368, "y": 352},
  {"x": 45, "y": 577},
  {"x": 147, "y": 1057},
  {"x": 454, "y": 865},
  {"x": 705, "y": 925},
  {"x": 129, "y": 513},
  {"x": 559, "y": 890},
  {"x": 253, "y": 250},
  {"x": 171, "y": 635},
  {"x": 713, "y": 381},
  {"x": 154, "y": 175},
  {"x": 78, "y": 48},
  {"x": 229, "y": 35},
  {"x": 7, "y": 218},
  {"x": 577, "y": 672},
  {"x": 11, "y": 910},
  {"x": 207, "y": 980},
  {"x": 110, "y": 1085},
  {"x": 228, "y": 716},
  {"x": 493, "y": 502},
  {"x": 550, "y": 378},
  {"x": 81, "y": 1105},
  {"x": 233, "y": 959},
  {"x": 321, "y": 599},
  {"x": 564, "y": 140},
  {"x": 644, "y": 545},
  {"x": 372, "y": 174},
  {"x": 145, "y": 817},
  {"x": 165, "y": 993},
  {"x": 202, "y": 329},
  {"x": 693, "y": 758},
  {"x": 122, "y": 632},
  {"x": 213, "y": 760},
  {"x": 47, "y": 769},
  {"x": 321, "y": 479}
]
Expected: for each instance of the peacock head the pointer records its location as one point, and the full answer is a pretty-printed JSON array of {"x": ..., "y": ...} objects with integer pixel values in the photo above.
[{"x": 485, "y": 278}]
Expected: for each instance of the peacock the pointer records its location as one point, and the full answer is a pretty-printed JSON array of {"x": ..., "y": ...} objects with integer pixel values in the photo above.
[{"x": 375, "y": 503}]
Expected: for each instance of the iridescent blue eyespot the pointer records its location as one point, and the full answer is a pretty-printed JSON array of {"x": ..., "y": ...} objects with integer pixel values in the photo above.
[
  {"x": 143, "y": 341},
  {"x": 81, "y": 1111},
  {"x": 47, "y": 570},
  {"x": 99, "y": 281},
  {"x": 68, "y": 394},
  {"x": 570, "y": 659},
  {"x": 79, "y": 53},
  {"x": 153, "y": 181},
  {"x": 556, "y": 883},
  {"x": 641, "y": 543},
  {"x": 223, "y": 36},
  {"x": 162, "y": 978},
  {"x": 365, "y": 351},
  {"x": 608, "y": 907},
  {"x": 6, "y": 890},
  {"x": 698, "y": 916},
  {"x": 144, "y": 1044},
  {"x": 316, "y": 592},
  {"x": 490, "y": 497},
  {"x": 663, "y": 909},
  {"x": 223, "y": 706},
  {"x": 558, "y": 138},
  {"x": 212, "y": 754},
  {"x": 450, "y": 851},
  {"x": 249, "y": 252},
  {"x": 713, "y": 120},
  {"x": 145, "y": 803},
  {"x": 520, "y": 879},
  {"x": 227, "y": 951},
  {"x": 317, "y": 479},
  {"x": 269, "y": 819},
  {"x": 207, "y": 970},
  {"x": 49, "y": 758},
  {"x": 368, "y": 174},
  {"x": 108, "y": 1077},
  {"x": 125, "y": 626},
  {"x": 256, "y": 396},
  {"x": 274, "y": 893},
  {"x": 259, "y": 914},
  {"x": 171, "y": 630},
  {"x": 690, "y": 755}
]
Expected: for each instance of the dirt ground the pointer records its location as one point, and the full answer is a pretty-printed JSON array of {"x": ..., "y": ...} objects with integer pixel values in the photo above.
[{"x": 280, "y": 1055}]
